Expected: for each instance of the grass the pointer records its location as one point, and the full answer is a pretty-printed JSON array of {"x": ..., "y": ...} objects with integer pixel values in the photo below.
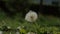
[{"x": 43, "y": 23}]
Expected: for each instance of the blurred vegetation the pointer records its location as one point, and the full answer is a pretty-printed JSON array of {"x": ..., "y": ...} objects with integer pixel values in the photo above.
[{"x": 43, "y": 25}]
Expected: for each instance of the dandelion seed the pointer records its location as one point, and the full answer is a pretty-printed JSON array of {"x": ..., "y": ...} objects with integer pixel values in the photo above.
[{"x": 31, "y": 16}]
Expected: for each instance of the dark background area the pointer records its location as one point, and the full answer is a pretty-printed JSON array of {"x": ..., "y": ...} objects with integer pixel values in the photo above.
[{"x": 14, "y": 6}]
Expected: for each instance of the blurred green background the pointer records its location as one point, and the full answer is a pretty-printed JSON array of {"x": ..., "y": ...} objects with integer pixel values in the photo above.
[{"x": 18, "y": 8}]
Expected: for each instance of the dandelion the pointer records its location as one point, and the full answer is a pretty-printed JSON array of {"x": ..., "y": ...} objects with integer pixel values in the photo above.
[{"x": 31, "y": 16}]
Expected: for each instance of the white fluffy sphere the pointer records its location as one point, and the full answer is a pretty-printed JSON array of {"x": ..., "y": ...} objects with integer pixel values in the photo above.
[{"x": 31, "y": 16}]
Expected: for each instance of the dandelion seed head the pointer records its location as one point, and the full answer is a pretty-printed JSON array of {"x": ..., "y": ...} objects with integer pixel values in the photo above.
[{"x": 31, "y": 16}]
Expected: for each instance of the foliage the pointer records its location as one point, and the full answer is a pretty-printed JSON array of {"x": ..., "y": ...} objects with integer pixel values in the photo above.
[{"x": 42, "y": 25}]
